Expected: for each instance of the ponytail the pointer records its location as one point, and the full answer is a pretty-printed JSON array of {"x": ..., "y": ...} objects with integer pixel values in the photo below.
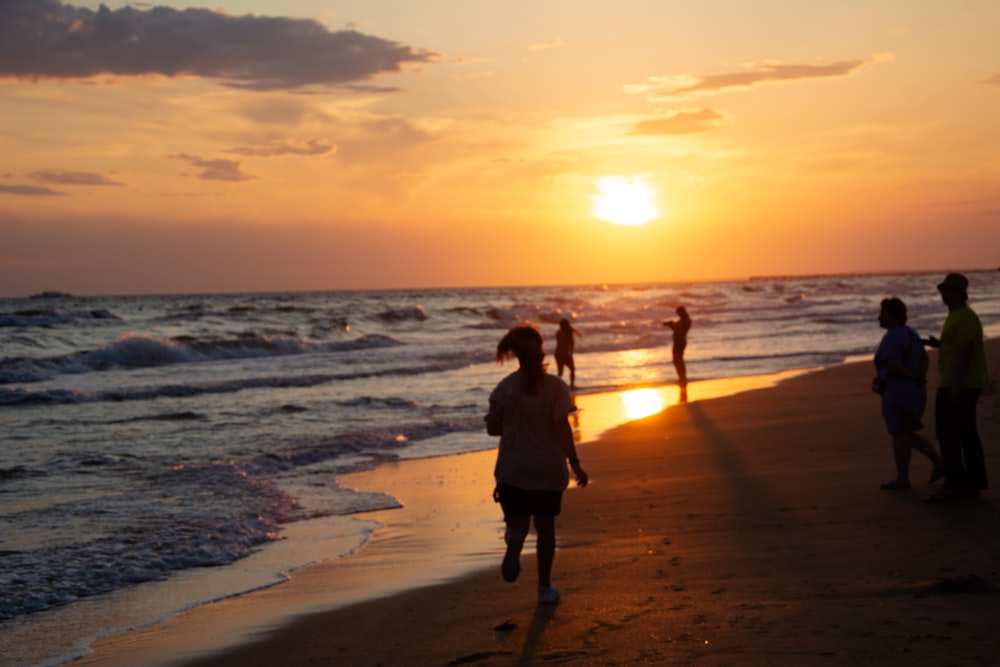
[{"x": 524, "y": 341}]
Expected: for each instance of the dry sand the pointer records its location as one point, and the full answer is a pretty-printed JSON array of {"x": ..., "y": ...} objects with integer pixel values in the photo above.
[{"x": 743, "y": 530}]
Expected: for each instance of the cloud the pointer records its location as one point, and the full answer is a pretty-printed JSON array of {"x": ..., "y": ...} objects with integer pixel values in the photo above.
[
  {"x": 685, "y": 121},
  {"x": 47, "y": 39},
  {"x": 30, "y": 191},
  {"x": 279, "y": 110},
  {"x": 395, "y": 141},
  {"x": 751, "y": 75},
  {"x": 991, "y": 80},
  {"x": 474, "y": 76},
  {"x": 279, "y": 148},
  {"x": 62, "y": 177},
  {"x": 216, "y": 170},
  {"x": 545, "y": 46}
]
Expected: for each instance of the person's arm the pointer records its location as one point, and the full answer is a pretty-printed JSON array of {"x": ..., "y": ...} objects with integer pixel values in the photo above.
[
  {"x": 494, "y": 419},
  {"x": 565, "y": 434},
  {"x": 896, "y": 365},
  {"x": 897, "y": 368}
]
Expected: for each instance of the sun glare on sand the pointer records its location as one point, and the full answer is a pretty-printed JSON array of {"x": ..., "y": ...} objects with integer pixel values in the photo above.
[
  {"x": 641, "y": 403},
  {"x": 625, "y": 201}
]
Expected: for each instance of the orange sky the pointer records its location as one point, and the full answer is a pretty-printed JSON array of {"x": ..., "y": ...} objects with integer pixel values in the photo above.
[{"x": 309, "y": 145}]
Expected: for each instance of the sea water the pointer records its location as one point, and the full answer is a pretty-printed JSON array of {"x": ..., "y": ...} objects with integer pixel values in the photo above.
[{"x": 145, "y": 439}]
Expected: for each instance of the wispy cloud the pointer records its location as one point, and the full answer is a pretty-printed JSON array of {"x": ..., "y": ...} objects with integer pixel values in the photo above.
[
  {"x": 684, "y": 121},
  {"x": 993, "y": 81},
  {"x": 30, "y": 191},
  {"x": 378, "y": 140},
  {"x": 750, "y": 75},
  {"x": 63, "y": 177},
  {"x": 475, "y": 75},
  {"x": 280, "y": 148},
  {"x": 49, "y": 39},
  {"x": 216, "y": 170},
  {"x": 545, "y": 46}
]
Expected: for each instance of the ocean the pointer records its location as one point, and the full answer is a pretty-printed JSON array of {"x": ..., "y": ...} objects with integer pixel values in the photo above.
[{"x": 147, "y": 438}]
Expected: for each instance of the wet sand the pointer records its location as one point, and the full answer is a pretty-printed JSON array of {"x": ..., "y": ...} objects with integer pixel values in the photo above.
[{"x": 742, "y": 530}]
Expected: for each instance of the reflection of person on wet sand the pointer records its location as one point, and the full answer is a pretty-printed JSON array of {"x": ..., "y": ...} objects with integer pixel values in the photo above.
[
  {"x": 564, "y": 350},
  {"x": 680, "y": 328}
]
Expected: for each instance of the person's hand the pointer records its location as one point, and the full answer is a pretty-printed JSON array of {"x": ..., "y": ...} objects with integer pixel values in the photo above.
[
  {"x": 581, "y": 475},
  {"x": 932, "y": 342},
  {"x": 494, "y": 423}
]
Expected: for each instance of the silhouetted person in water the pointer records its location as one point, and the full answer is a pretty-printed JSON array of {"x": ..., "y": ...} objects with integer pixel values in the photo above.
[
  {"x": 680, "y": 328},
  {"x": 564, "y": 350},
  {"x": 529, "y": 410}
]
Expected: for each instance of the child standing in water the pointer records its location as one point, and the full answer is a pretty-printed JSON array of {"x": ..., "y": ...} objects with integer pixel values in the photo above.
[
  {"x": 529, "y": 410},
  {"x": 564, "y": 351}
]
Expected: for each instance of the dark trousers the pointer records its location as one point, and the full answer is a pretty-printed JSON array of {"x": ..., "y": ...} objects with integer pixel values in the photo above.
[{"x": 961, "y": 449}]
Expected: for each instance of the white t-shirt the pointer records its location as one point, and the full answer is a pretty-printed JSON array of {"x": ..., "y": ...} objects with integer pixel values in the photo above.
[{"x": 529, "y": 456}]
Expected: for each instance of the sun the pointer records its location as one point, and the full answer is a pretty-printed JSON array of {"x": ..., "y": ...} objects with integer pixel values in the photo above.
[{"x": 625, "y": 200}]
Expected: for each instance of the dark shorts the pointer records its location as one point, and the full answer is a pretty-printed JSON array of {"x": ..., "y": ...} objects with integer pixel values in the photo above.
[
  {"x": 565, "y": 360},
  {"x": 899, "y": 419},
  {"x": 524, "y": 502}
]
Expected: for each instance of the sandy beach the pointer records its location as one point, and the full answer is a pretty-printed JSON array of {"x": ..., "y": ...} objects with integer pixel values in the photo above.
[{"x": 742, "y": 530}]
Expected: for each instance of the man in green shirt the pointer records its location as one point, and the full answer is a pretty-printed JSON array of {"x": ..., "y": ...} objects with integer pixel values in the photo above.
[{"x": 962, "y": 371}]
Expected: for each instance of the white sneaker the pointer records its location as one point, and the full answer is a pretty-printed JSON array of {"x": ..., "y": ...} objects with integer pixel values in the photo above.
[{"x": 548, "y": 594}]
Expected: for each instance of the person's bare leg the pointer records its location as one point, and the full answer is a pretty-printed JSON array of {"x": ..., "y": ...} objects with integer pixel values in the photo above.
[
  {"x": 901, "y": 453},
  {"x": 681, "y": 368},
  {"x": 517, "y": 531},
  {"x": 545, "y": 530},
  {"x": 924, "y": 446}
]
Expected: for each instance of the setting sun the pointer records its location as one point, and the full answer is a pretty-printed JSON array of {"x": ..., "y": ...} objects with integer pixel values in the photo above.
[{"x": 625, "y": 200}]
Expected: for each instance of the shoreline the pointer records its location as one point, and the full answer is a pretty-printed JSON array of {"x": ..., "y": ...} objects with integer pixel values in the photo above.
[
  {"x": 748, "y": 529},
  {"x": 362, "y": 574}
]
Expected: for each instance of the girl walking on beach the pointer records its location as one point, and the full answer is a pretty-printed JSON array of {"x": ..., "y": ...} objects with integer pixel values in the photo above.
[
  {"x": 529, "y": 410},
  {"x": 901, "y": 366}
]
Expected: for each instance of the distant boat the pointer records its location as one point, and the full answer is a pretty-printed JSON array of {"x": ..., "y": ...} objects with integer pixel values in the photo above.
[{"x": 51, "y": 294}]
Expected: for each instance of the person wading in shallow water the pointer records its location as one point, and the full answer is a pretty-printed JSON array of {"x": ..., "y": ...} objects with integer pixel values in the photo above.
[
  {"x": 529, "y": 410},
  {"x": 564, "y": 351},
  {"x": 680, "y": 328}
]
